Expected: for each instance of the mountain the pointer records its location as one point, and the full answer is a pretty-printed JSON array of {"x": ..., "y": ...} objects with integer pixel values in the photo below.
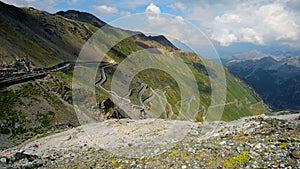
[
  {"x": 275, "y": 78},
  {"x": 37, "y": 56},
  {"x": 252, "y": 55},
  {"x": 45, "y": 38},
  {"x": 82, "y": 17},
  {"x": 163, "y": 41}
]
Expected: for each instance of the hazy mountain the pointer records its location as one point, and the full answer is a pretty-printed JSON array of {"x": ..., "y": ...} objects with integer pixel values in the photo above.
[
  {"x": 276, "y": 78},
  {"x": 252, "y": 55}
]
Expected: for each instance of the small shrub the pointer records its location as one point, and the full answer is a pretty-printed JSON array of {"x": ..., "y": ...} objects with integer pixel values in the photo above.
[
  {"x": 283, "y": 145},
  {"x": 239, "y": 160},
  {"x": 51, "y": 113},
  {"x": 174, "y": 153},
  {"x": 4, "y": 131}
]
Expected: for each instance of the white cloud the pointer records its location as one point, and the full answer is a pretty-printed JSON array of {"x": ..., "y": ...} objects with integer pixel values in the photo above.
[
  {"x": 224, "y": 36},
  {"x": 179, "y": 19},
  {"x": 178, "y": 5},
  {"x": 153, "y": 14},
  {"x": 259, "y": 22},
  {"x": 51, "y": 2},
  {"x": 30, "y": 1},
  {"x": 125, "y": 13},
  {"x": 46, "y": 5},
  {"x": 124, "y": 4},
  {"x": 228, "y": 18},
  {"x": 109, "y": 13},
  {"x": 72, "y": 2},
  {"x": 280, "y": 21},
  {"x": 153, "y": 9},
  {"x": 249, "y": 35},
  {"x": 104, "y": 9},
  {"x": 18, "y": 2},
  {"x": 173, "y": 27},
  {"x": 255, "y": 23}
]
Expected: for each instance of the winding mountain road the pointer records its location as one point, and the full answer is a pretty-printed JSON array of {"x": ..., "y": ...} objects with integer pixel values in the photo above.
[
  {"x": 103, "y": 76},
  {"x": 132, "y": 110},
  {"x": 39, "y": 73},
  {"x": 144, "y": 86}
]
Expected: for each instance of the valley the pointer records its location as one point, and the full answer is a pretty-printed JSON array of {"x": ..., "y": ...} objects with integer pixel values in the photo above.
[{"x": 262, "y": 71}]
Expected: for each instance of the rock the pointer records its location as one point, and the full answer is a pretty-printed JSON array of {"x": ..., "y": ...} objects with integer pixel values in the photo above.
[
  {"x": 184, "y": 167},
  {"x": 239, "y": 149},
  {"x": 3, "y": 160},
  {"x": 296, "y": 154},
  {"x": 133, "y": 163},
  {"x": 258, "y": 146},
  {"x": 267, "y": 158},
  {"x": 231, "y": 144},
  {"x": 282, "y": 165},
  {"x": 223, "y": 143},
  {"x": 253, "y": 153},
  {"x": 69, "y": 138},
  {"x": 272, "y": 146},
  {"x": 156, "y": 151},
  {"x": 253, "y": 166},
  {"x": 194, "y": 132},
  {"x": 191, "y": 150}
]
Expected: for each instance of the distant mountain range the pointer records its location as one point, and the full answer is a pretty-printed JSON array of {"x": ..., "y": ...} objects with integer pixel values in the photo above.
[{"x": 275, "y": 77}]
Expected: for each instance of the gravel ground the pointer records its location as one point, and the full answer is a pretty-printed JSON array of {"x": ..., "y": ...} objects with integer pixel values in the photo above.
[{"x": 253, "y": 142}]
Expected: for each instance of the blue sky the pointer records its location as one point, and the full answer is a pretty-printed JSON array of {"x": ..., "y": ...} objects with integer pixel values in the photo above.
[{"x": 229, "y": 24}]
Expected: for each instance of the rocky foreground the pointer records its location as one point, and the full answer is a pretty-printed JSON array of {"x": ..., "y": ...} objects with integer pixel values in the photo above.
[{"x": 254, "y": 142}]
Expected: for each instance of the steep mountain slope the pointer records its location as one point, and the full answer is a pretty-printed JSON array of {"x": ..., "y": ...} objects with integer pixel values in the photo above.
[
  {"x": 241, "y": 99},
  {"x": 45, "y": 39},
  {"x": 276, "y": 78}
]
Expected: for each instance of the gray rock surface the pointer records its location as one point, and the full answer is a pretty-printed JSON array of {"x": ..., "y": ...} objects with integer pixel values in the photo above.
[{"x": 253, "y": 142}]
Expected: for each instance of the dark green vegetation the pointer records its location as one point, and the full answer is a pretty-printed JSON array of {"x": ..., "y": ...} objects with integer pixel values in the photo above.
[
  {"x": 35, "y": 108},
  {"x": 46, "y": 39}
]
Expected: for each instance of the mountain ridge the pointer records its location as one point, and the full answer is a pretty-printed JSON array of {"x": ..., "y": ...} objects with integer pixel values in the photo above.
[{"x": 264, "y": 70}]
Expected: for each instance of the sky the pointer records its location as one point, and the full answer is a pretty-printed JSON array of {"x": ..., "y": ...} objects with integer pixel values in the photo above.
[{"x": 230, "y": 25}]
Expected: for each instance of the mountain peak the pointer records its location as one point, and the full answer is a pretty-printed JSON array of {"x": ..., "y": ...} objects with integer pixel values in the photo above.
[
  {"x": 254, "y": 54},
  {"x": 163, "y": 41},
  {"x": 82, "y": 16}
]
